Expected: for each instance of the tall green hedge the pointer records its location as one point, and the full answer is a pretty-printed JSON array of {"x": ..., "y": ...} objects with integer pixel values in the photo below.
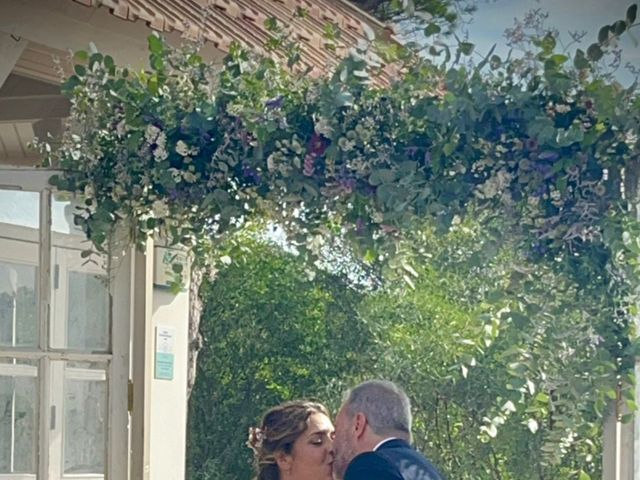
[
  {"x": 270, "y": 334},
  {"x": 506, "y": 362}
]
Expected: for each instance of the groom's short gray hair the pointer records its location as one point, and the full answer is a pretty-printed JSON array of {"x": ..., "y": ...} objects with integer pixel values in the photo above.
[{"x": 385, "y": 405}]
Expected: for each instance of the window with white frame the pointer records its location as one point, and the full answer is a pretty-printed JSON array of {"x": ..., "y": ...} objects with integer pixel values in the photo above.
[{"x": 59, "y": 414}]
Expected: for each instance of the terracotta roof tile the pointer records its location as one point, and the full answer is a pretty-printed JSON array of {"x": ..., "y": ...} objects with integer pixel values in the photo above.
[{"x": 224, "y": 21}]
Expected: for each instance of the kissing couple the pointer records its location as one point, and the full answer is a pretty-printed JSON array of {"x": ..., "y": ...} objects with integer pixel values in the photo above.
[{"x": 371, "y": 439}]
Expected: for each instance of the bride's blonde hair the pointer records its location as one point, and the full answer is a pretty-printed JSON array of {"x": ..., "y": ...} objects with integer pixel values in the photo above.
[{"x": 280, "y": 428}]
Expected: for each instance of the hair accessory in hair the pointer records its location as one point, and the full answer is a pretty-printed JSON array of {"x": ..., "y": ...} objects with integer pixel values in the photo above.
[{"x": 256, "y": 436}]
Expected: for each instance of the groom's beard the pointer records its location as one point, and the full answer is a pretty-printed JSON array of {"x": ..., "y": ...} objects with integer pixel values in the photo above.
[{"x": 343, "y": 456}]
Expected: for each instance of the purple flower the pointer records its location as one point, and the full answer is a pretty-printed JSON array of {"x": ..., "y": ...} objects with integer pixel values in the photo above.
[
  {"x": 540, "y": 248},
  {"x": 549, "y": 155},
  {"x": 539, "y": 191},
  {"x": 348, "y": 184},
  {"x": 251, "y": 174},
  {"x": 369, "y": 190},
  {"x": 309, "y": 165},
  {"x": 543, "y": 169},
  {"x": 274, "y": 103},
  {"x": 531, "y": 144},
  {"x": 317, "y": 145},
  {"x": 411, "y": 151}
]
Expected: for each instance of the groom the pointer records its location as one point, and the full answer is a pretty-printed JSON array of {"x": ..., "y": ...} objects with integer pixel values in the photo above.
[{"x": 373, "y": 431}]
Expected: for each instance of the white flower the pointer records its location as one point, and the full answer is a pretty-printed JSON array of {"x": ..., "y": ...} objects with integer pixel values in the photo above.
[
  {"x": 345, "y": 144},
  {"x": 189, "y": 177},
  {"x": 315, "y": 243},
  {"x": 160, "y": 209},
  {"x": 488, "y": 189},
  {"x": 323, "y": 127},
  {"x": 161, "y": 140},
  {"x": 121, "y": 128},
  {"x": 182, "y": 148},
  {"x": 160, "y": 154},
  {"x": 271, "y": 164},
  {"x": 504, "y": 179},
  {"x": 631, "y": 138},
  {"x": 119, "y": 192},
  {"x": 89, "y": 191},
  {"x": 175, "y": 174},
  {"x": 151, "y": 133}
]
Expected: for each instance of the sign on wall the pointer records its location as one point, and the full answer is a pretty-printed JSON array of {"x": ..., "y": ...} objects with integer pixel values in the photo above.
[
  {"x": 164, "y": 354},
  {"x": 165, "y": 261}
]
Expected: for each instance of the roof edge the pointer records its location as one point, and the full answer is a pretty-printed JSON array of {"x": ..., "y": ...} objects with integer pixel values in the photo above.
[
  {"x": 367, "y": 16},
  {"x": 386, "y": 30}
]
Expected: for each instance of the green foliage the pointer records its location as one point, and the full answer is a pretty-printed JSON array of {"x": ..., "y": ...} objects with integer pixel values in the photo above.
[
  {"x": 189, "y": 153},
  {"x": 444, "y": 13},
  {"x": 506, "y": 361},
  {"x": 545, "y": 148},
  {"x": 270, "y": 334},
  {"x": 498, "y": 356}
]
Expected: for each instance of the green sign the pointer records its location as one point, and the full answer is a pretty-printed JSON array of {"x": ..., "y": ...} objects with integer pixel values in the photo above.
[
  {"x": 165, "y": 340},
  {"x": 164, "y": 366}
]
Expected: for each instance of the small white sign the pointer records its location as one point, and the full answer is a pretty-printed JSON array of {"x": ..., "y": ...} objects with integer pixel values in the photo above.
[
  {"x": 164, "y": 261},
  {"x": 164, "y": 356}
]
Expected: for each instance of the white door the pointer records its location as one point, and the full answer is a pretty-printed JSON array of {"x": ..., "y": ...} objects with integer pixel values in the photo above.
[{"x": 63, "y": 344}]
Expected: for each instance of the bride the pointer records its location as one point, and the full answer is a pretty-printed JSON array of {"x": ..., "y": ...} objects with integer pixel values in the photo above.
[{"x": 293, "y": 442}]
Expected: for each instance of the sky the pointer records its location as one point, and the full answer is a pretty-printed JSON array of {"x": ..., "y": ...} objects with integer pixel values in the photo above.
[{"x": 494, "y": 16}]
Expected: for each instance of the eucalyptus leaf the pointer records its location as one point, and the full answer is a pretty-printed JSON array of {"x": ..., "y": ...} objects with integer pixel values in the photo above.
[
  {"x": 466, "y": 48},
  {"x": 432, "y": 29},
  {"x": 632, "y": 13},
  {"x": 603, "y": 34},
  {"x": 594, "y": 52},
  {"x": 619, "y": 27}
]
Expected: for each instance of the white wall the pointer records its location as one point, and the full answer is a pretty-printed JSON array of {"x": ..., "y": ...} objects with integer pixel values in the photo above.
[{"x": 168, "y": 398}]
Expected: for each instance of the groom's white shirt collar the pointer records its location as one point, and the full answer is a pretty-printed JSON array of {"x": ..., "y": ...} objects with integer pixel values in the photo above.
[{"x": 383, "y": 441}]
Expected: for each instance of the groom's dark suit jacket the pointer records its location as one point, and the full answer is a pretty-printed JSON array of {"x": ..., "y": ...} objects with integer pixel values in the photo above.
[{"x": 393, "y": 460}]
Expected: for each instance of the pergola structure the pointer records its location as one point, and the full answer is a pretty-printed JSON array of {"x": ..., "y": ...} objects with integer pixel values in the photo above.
[{"x": 94, "y": 356}]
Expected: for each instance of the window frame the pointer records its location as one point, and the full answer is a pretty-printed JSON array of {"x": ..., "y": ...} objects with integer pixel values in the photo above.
[{"x": 116, "y": 360}]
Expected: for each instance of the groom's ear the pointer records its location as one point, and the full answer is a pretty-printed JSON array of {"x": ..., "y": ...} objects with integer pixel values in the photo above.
[{"x": 360, "y": 424}]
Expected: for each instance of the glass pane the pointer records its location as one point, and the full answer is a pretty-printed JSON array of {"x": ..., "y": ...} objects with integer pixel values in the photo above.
[
  {"x": 85, "y": 418},
  {"x": 20, "y": 209},
  {"x": 19, "y": 237},
  {"x": 18, "y": 305},
  {"x": 88, "y": 300},
  {"x": 18, "y": 416},
  {"x": 80, "y": 287}
]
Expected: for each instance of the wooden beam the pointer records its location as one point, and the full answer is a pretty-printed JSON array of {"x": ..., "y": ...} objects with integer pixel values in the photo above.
[
  {"x": 19, "y": 86},
  {"x": 11, "y": 48},
  {"x": 20, "y": 162},
  {"x": 36, "y": 107}
]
